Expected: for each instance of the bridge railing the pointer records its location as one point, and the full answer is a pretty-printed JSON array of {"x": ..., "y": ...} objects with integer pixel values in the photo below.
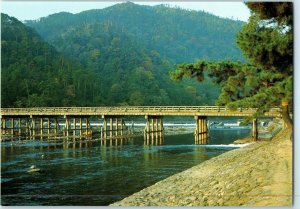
[{"x": 131, "y": 109}]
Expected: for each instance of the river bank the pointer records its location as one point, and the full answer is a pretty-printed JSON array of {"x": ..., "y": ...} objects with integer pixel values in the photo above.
[{"x": 259, "y": 174}]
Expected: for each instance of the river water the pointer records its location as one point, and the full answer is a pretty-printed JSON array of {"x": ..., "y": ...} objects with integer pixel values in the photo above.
[{"x": 89, "y": 173}]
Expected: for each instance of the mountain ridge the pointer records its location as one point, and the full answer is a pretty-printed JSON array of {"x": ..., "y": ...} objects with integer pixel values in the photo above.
[
  {"x": 124, "y": 54},
  {"x": 139, "y": 22}
]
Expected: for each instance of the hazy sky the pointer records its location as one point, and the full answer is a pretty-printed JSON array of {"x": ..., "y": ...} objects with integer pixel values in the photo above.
[{"x": 28, "y": 10}]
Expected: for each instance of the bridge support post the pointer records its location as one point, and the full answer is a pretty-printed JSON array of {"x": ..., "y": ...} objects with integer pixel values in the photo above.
[
  {"x": 33, "y": 125},
  {"x": 117, "y": 123},
  {"x": 41, "y": 126},
  {"x": 121, "y": 126},
  {"x": 157, "y": 128},
  {"x": 74, "y": 127},
  {"x": 48, "y": 126},
  {"x": 104, "y": 127},
  {"x": 3, "y": 126},
  {"x": 111, "y": 128},
  {"x": 87, "y": 126},
  {"x": 12, "y": 122},
  {"x": 197, "y": 129},
  {"x": 27, "y": 132},
  {"x": 147, "y": 128},
  {"x": 80, "y": 126},
  {"x": 254, "y": 129},
  {"x": 114, "y": 130},
  {"x": 67, "y": 126},
  {"x": 161, "y": 128},
  {"x": 19, "y": 126},
  {"x": 56, "y": 126},
  {"x": 201, "y": 129},
  {"x": 154, "y": 128}
]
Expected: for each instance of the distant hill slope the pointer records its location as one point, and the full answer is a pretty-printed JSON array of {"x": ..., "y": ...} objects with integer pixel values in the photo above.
[
  {"x": 177, "y": 35},
  {"x": 33, "y": 73},
  {"x": 120, "y": 55},
  {"x": 133, "y": 47}
]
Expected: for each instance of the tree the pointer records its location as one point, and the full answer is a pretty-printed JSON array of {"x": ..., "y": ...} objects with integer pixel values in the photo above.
[{"x": 265, "y": 80}]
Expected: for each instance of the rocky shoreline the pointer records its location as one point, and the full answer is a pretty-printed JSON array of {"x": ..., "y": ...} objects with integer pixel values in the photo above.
[{"x": 259, "y": 174}]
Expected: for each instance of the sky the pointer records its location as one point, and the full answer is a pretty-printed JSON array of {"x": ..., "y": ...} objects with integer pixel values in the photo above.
[{"x": 30, "y": 10}]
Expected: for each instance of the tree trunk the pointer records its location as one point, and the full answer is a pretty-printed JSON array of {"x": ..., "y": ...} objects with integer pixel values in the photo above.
[{"x": 286, "y": 116}]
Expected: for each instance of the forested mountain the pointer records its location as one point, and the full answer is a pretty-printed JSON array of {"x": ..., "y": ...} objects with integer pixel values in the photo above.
[
  {"x": 33, "y": 73},
  {"x": 176, "y": 34},
  {"x": 120, "y": 55}
]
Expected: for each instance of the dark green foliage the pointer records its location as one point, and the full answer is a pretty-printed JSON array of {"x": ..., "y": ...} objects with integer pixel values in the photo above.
[
  {"x": 176, "y": 34},
  {"x": 125, "y": 53},
  {"x": 266, "y": 80},
  {"x": 33, "y": 73}
]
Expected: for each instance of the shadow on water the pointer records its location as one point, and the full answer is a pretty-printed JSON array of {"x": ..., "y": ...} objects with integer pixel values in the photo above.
[{"x": 97, "y": 172}]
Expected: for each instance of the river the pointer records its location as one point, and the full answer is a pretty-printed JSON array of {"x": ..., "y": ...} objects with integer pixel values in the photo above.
[{"x": 88, "y": 173}]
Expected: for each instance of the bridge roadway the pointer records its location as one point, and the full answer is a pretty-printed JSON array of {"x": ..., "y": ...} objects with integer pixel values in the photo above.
[
  {"x": 31, "y": 121},
  {"x": 135, "y": 111}
]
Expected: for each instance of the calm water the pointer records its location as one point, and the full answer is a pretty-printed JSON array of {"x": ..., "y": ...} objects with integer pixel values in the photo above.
[{"x": 88, "y": 173}]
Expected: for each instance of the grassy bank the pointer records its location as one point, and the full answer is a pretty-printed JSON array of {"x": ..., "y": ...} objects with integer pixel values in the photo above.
[{"x": 256, "y": 175}]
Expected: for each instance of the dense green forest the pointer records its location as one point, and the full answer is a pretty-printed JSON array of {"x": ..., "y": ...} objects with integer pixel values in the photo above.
[
  {"x": 120, "y": 55},
  {"x": 33, "y": 73},
  {"x": 176, "y": 34}
]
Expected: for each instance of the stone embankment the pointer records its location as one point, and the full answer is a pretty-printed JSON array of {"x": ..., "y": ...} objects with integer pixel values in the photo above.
[{"x": 259, "y": 174}]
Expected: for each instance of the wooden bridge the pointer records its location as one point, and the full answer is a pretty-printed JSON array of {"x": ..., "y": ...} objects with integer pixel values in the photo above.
[
  {"x": 136, "y": 110},
  {"x": 47, "y": 120}
]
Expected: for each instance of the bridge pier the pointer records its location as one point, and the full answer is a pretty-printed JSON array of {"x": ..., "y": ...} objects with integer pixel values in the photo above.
[
  {"x": 87, "y": 125},
  {"x": 32, "y": 132},
  {"x": 3, "y": 126},
  {"x": 254, "y": 129},
  {"x": 72, "y": 128},
  {"x": 201, "y": 133},
  {"x": 27, "y": 127},
  {"x": 12, "y": 124},
  {"x": 19, "y": 126},
  {"x": 66, "y": 132},
  {"x": 153, "y": 128},
  {"x": 41, "y": 126},
  {"x": 114, "y": 129}
]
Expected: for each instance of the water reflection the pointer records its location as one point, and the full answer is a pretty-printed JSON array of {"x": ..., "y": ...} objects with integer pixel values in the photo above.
[
  {"x": 202, "y": 141},
  {"x": 116, "y": 141},
  {"x": 154, "y": 139},
  {"x": 95, "y": 171},
  {"x": 46, "y": 143}
]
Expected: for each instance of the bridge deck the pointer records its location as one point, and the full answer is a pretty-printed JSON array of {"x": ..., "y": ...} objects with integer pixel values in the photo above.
[{"x": 135, "y": 110}]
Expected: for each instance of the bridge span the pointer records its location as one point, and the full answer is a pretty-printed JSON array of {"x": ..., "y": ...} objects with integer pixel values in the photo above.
[
  {"x": 47, "y": 120},
  {"x": 135, "y": 110}
]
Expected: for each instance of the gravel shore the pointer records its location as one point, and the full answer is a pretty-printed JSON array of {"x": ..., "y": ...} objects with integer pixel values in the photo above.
[{"x": 259, "y": 174}]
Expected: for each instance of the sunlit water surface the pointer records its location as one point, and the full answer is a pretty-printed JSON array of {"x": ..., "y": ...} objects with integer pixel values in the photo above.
[{"x": 89, "y": 173}]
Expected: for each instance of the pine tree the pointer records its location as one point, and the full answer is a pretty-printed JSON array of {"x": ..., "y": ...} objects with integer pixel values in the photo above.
[{"x": 266, "y": 79}]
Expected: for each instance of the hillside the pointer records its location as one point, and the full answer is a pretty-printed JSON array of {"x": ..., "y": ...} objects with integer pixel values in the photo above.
[
  {"x": 176, "y": 34},
  {"x": 119, "y": 55},
  {"x": 33, "y": 73},
  {"x": 126, "y": 41}
]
